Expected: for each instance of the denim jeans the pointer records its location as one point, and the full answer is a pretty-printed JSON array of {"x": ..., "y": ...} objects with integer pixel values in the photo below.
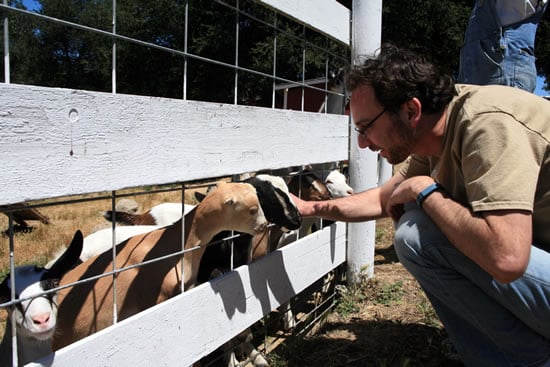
[
  {"x": 489, "y": 323},
  {"x": 492, "y": 54}
]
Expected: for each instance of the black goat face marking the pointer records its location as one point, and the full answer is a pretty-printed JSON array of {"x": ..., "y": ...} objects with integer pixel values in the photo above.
[{"x": 275, "y": 202}]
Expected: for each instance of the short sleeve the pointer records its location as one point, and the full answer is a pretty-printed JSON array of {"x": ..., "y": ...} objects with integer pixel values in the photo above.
[{"x": 498, "y": 163}]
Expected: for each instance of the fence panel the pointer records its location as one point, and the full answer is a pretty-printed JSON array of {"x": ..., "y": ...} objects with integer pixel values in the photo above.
[
  {"x": 60, "y": 142},
  {"x": 193, "y": 324},
  {"x": 81, "y": 142}
]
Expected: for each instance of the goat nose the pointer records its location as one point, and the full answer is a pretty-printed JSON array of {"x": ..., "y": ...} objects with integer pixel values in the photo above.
[
  {"x": 261, "y": 227},
  {"x": 41, "y": 319}
]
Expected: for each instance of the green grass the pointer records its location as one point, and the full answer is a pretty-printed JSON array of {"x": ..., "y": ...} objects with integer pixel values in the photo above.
[{"x": 390, "y": 293}]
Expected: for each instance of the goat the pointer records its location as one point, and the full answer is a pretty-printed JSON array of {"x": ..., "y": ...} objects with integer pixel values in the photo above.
[
  {"x": 217, "y": 257},
  {"x": 102, "y": 240},
  {"x": 337, "y": 185},
  {"x": 35, "y": 315},
  {"x": 308, "y": 187},
  {"x": 87, "y": 308},
  {"x": 162, "y": 214}
]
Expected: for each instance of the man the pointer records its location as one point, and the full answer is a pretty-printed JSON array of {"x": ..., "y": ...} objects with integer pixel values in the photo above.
[
  {"x": 499, "y": 44},
  {"x": 472, "y": 206}
]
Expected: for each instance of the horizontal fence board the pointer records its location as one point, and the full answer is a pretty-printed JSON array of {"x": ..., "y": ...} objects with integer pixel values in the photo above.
[
  {"x": 57, "y": 142},
  {"x": 190, "y": 326},
  {"x": 327, "y": 16}
]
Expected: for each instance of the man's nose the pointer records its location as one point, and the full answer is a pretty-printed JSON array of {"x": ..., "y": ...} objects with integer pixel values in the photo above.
[{"x": 362, "y": 141}]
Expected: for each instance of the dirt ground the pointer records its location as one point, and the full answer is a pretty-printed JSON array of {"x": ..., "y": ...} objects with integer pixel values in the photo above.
[{"x": 388, "y": 321}]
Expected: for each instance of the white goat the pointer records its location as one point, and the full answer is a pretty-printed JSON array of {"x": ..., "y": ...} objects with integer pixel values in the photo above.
[
  {"x": 337, "y": 184},
  {"x": 35, "y": 315},
  {"x": 230, "y": 206},
  {"x": 161, "y": 214}
]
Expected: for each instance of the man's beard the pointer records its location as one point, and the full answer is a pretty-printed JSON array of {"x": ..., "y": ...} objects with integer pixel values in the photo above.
[{"x": 404, "y": 136}]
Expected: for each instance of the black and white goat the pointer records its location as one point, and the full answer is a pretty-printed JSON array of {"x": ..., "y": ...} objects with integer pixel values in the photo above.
[
  {"x": 220, "y": 257},
  {"x": 35, "y": 312}
]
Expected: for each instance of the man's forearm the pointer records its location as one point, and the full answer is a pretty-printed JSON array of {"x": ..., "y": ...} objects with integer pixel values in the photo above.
[
  {"x": 355, "y": 208},
  {"x": 498, "y": 241}
]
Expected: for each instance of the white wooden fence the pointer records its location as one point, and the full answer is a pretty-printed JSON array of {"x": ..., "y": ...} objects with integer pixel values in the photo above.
[{"x": 56, "y": 142}]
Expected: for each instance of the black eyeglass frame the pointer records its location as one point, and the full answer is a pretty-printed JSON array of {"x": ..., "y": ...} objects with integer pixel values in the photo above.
[{"x": 364, "y": 129}]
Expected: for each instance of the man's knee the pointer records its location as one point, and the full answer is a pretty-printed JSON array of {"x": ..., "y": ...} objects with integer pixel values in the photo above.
[{"x": 415, "y": 235}]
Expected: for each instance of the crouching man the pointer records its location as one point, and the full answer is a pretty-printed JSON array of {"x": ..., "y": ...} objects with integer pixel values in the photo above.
[{"x": 471, "y": 207}]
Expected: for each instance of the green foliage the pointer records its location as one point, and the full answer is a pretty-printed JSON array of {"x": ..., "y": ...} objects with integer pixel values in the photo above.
[
  {"x": 430, "y": 317},
  {"x": 390, "y": 293},
  {"x": 348, "y": 300},
  {"x": 56, "y": 55},
  {"x": 542, "y": 49},
  {"x": 434, "y": 28}
]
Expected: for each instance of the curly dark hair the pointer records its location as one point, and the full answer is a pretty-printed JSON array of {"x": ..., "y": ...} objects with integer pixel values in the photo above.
[{"x": 397, "y": 75}]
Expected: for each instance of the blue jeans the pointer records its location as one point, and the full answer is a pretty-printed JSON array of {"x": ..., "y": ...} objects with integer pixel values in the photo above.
[
  {"x": 492, "y": 54},
  {"x": 489, "y": 323}
]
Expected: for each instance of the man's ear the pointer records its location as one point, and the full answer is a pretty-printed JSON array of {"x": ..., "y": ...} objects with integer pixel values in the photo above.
[{"x": 414, "y": 110}]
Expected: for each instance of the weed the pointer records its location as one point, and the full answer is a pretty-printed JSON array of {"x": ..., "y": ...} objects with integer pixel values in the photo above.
[
  {"x": 390, "y": 293},
  {"x": 348, "y": 299},
  {"x": 430, "y": 318}
]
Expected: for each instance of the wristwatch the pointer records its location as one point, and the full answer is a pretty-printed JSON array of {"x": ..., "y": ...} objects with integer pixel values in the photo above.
[{"x": 427, "y": 192}]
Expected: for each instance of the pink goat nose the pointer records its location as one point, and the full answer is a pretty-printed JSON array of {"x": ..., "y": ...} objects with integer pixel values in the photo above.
[{"x": 41, "y": 319}]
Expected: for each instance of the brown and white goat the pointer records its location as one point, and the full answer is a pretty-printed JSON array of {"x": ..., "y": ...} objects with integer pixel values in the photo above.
[
  {"x": 160, "y": 215},
  {"x": 87, "y": 308},
  {"x": 244, "y": 207}
]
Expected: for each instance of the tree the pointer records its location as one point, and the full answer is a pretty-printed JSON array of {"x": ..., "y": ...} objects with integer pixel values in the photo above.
[
  {"x": 51, "y": 54},
  {"x": 432, "y": 27}
]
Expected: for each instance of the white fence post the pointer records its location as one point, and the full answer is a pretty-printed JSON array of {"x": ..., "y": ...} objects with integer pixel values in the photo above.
[{"x": 363, "y": 167}]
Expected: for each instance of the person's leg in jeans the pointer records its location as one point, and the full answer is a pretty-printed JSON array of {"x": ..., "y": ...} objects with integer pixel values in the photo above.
[
  {"x": 518, "y": 62},
  {"x": 490, "y": 324},
  {"x": 493, "y": 54}
]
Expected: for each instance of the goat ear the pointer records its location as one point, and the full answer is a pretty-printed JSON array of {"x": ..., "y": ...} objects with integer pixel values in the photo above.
[
  {"x": 69, "y": 259},
  {"x": 5, "y": 294},
  {"x": 199, "y": 196}
]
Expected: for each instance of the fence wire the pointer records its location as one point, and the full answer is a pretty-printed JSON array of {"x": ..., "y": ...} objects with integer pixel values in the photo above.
[{"x": 300, "y": 62}]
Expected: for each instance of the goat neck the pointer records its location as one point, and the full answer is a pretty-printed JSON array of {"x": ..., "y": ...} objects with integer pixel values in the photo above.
[{"x": 219, "y": 212}]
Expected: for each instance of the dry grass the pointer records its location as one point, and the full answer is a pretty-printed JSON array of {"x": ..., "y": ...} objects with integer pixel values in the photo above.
[{"x": 39, "y": 245}]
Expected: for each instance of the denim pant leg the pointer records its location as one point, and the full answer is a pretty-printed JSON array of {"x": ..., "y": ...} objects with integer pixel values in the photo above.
[{"x": 490, "y": 324}]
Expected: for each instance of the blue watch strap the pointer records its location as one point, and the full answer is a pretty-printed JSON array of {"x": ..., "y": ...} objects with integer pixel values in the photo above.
[{"x": 427, "y": 192}]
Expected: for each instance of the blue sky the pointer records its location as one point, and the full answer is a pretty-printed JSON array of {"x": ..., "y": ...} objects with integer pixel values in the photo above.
[
  {"x": 538, "y": 90},
  {"x": 31, "y": 4}
]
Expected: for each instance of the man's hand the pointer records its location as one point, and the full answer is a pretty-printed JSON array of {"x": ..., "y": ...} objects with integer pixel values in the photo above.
[{"x": 405, "y": 192}]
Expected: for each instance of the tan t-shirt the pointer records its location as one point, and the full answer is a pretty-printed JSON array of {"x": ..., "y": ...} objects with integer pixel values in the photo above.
[{"x": 495, "y": 154}]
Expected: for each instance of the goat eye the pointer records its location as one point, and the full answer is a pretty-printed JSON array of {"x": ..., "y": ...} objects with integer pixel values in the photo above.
[{"x": 254, "y": 210}]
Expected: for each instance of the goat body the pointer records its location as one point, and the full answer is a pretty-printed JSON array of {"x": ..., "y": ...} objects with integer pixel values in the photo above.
[{"x": 162, "y": 214}]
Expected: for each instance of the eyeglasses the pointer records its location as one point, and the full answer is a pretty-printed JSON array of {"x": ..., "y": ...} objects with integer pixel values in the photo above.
[{"x": 364, "y": 129}]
